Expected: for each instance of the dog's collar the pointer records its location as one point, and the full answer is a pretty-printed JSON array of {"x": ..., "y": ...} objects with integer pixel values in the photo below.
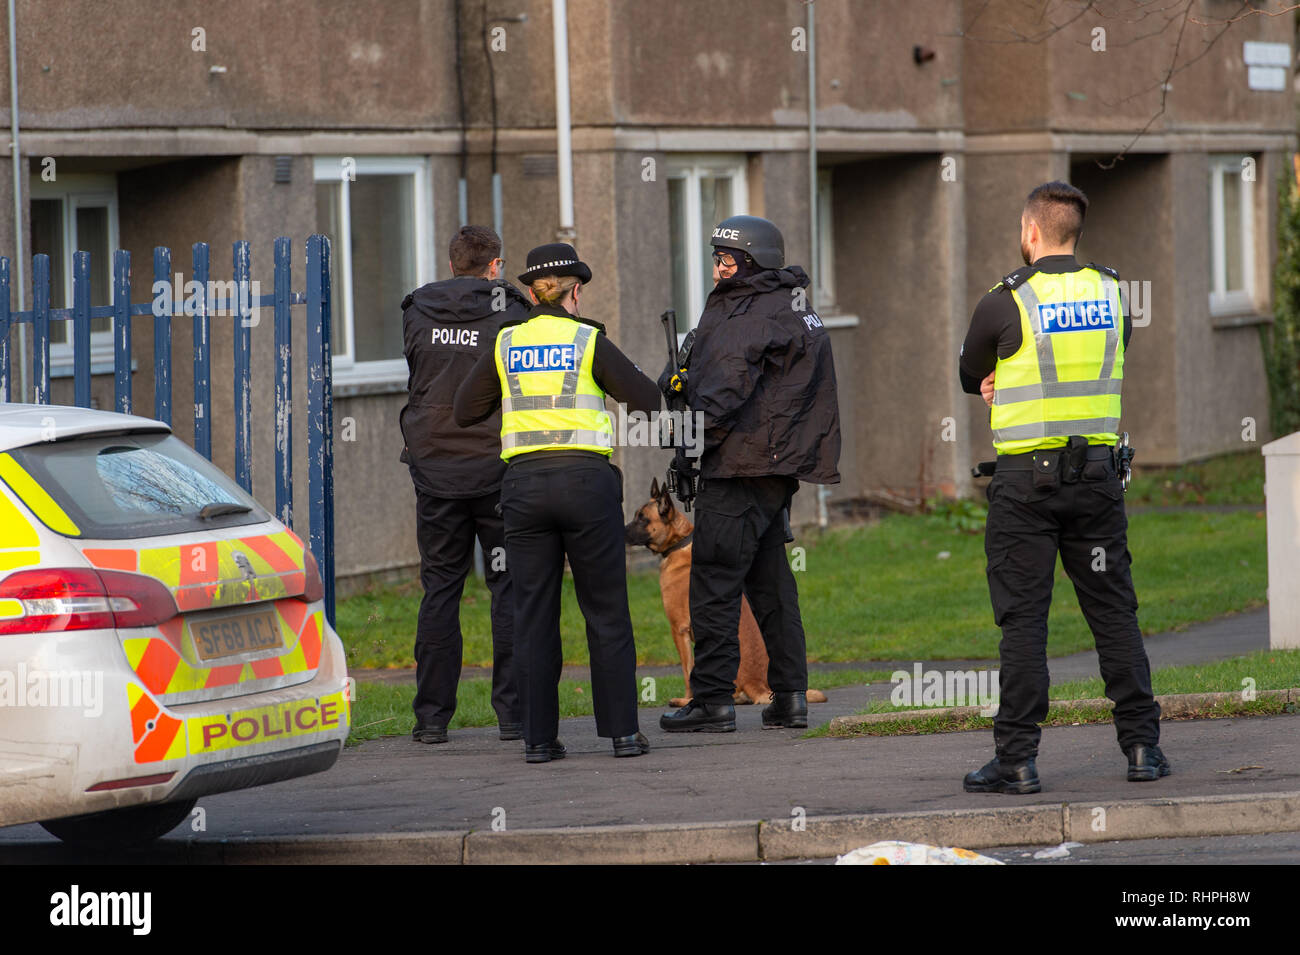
[{"x": 678, "y": 546}]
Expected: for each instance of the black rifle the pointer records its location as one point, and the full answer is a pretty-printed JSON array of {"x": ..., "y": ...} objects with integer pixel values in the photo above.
[{"x": 682, "y": 474}]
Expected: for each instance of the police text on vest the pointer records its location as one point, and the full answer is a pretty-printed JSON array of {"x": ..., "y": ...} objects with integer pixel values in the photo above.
[
  {"x": 526, "y": 358},
  {"x": 455, "y": 336},
  {"x": 1076, "y": 316}
]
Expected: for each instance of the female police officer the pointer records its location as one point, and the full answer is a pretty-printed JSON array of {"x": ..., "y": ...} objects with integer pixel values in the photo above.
[{"x": 561, "y": 496}]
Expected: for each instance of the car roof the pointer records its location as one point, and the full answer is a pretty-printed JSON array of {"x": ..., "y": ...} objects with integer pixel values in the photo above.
[{"x": 31, "y": 424}]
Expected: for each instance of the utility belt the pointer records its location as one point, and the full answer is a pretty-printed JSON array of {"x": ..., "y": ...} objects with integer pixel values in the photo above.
[
  {"x": 555, "y": 458},
  {"x": 567, "y": 457},
  {"x": 1077, "y": 461}
]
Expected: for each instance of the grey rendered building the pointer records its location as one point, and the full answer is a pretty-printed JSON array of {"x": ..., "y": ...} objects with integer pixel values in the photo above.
[{"x": 185, "y": 122}]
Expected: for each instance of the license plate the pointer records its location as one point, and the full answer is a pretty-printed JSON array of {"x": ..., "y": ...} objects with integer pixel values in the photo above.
[{"x": 229, "y": 636}]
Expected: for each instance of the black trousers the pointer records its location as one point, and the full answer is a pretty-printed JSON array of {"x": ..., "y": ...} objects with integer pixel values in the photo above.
[
  {"x": 739, "y": 547},
  {"x": 558, "y": 505},
  {"x": 445, "y": 529},
  {"x": 1026, "y": 528}
]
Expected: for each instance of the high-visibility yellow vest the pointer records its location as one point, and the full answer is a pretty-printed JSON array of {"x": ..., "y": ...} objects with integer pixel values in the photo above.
[
  {"x": 549, "y": 399},
  {"x": 1065, "y": 379}
]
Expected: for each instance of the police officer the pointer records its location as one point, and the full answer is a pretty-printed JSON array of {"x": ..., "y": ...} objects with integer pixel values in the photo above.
[
  {"x": 762, "y": 377},
  {"x": 561, "y": 496},
  {"x": 1046, "y": 348},
  {"x": 447, "y": 326}
]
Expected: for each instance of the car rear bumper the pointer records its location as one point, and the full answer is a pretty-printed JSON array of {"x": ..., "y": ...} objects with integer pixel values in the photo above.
[{"x": 58, "y": 761}]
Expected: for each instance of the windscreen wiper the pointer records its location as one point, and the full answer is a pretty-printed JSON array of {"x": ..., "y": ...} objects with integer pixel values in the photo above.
[{"x": 222, "y": 508}]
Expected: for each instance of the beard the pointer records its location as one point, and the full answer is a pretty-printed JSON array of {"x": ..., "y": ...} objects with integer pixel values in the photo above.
[{"x": 1024, "y": 252}]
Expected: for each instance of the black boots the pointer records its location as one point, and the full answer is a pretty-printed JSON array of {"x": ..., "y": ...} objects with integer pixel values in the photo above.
[
  {"x": 1146, "y": 763},
  {"x": 429, "y": 734},
  {"x": 995, "y": 777},
  {"x": 544, "y": 752},
  {"x": 636, "y": 745},
  {"x": 697, "y": 717},
  {"x": 786, "y": 709}
]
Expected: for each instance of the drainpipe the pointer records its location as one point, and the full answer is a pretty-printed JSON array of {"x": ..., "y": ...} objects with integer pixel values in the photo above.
[
  {"x": 462, "y": 184},
  {"x": 563, "y": 132},
  {"x": 814, "y": 258},
  {"x": 18, "y": 203}
]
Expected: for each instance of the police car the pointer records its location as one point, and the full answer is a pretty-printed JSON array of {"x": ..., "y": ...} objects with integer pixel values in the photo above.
[{"x": 162, "y": 637}]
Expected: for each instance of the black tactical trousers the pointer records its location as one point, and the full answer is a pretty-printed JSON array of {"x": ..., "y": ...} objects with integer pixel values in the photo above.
[
  {"x": 557, "y": 505},
  {"x": 445, "y": 530},
  {"x": 1026, "y": 528},
  {"x": 739, "y": 546}
]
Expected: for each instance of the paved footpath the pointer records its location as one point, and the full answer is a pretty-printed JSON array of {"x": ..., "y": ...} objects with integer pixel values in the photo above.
[{"x": 703, "y": 797}]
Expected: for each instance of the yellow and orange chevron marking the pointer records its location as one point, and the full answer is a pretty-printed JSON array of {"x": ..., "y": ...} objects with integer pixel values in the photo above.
[
  {"x": 206, "y": 574},
  {"x": 159, "y": 663},
  {"x": 156, "y": 734}
]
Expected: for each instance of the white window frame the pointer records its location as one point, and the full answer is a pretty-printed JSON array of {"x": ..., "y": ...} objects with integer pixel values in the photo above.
[
  {"x": 330, "y": 169},
  {"x": 692, "y": 168},
  {"x": 1223, "y": 300},
  {"x": 825, "y": 291},
  {"x": 78, "y": 190}
]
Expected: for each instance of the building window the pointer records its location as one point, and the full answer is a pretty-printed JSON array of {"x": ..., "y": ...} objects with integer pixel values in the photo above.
[
  {"x": 77, "y": 213},
  {"x": 1232, "y": 236},
  {"x": 702, "y": 191},
  {"x": 376, "y": 212},
  {"x": 824, "y": 294}
]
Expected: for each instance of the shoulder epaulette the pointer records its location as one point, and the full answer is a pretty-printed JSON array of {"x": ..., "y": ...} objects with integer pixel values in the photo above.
[
  {"x": 1103, "y": 268},
  {"x": 1015, "y": 279}
]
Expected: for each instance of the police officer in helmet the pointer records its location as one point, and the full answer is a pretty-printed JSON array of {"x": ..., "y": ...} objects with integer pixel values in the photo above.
[
  {"x": 762, "y": 377},
  {"x": 549, "y": 375},
  {"x": 1046, "y": 349}
]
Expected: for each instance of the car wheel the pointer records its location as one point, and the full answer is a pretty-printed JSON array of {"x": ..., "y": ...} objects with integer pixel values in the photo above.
[{"x": 121, "y": 828}]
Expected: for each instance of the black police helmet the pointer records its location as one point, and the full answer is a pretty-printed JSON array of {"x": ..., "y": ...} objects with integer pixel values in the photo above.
[{"x": 759, "y": 237}]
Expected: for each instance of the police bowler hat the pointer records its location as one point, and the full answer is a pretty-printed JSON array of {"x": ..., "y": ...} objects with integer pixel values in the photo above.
[{"x": 554, "y": 258}]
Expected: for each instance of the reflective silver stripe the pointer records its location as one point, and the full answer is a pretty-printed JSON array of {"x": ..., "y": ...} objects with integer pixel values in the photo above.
[
  {"x": 1057, "y": 429},
  {"x": 512, "y": 381},
  {"x": 542, "y": 402},
  {"x": 580, "y": 348},
  {"x": 531, "y": 439},
  {"x": 1046, "y": 358},
  {"x": 1112, "y": 333},
  {"x": 1058, "y": 389}
]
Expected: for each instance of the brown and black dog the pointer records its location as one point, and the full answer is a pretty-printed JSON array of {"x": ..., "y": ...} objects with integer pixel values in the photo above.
[{"x": 666, "y": 531}]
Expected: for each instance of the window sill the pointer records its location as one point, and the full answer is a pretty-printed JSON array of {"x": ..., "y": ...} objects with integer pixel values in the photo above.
[
  {"x": 377, "y": 378},
  {"x": 98, "y": 366},
  {"x": 1239, "y": 320},
  {"x": 840, "y": 320}
]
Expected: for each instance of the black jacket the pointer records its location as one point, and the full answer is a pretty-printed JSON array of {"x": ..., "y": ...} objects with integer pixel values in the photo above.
[
  {"x": 447, "y": 327},
  {"x": 761, "y": 373}
]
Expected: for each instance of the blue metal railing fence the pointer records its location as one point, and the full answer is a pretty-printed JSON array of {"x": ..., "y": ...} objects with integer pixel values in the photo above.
[{"x": 170, "y": 301}]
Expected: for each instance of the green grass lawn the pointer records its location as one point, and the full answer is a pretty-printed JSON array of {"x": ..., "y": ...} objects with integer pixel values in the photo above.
[
  {"x": 1230, "y": 479},
  {"x": 1269, "y": 669},
  {"x": 385, "y": 709},
  {"x": 1262, "y": 670},
  {"x": 884, "y": 591}
]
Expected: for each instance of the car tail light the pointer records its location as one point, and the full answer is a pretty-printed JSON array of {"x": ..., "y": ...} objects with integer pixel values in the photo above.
[
  {"x": 74, "y": 598},
  {"x": 313, "y": 590}
]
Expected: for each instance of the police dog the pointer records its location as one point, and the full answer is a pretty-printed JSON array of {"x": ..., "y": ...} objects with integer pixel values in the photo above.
[{"x": 666, "y": 531}]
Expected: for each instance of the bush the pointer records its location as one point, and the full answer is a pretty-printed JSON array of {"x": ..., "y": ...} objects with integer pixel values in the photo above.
[{"x": 1281, "y": 343}]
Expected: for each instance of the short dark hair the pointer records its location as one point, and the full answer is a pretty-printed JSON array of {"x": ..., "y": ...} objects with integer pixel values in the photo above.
[
  {"x": 1058, "y": 208},
  {"x": 472, "y": 250}
]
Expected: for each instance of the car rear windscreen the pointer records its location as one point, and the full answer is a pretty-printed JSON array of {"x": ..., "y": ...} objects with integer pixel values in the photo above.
[{"x": 137, "y": 485}]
